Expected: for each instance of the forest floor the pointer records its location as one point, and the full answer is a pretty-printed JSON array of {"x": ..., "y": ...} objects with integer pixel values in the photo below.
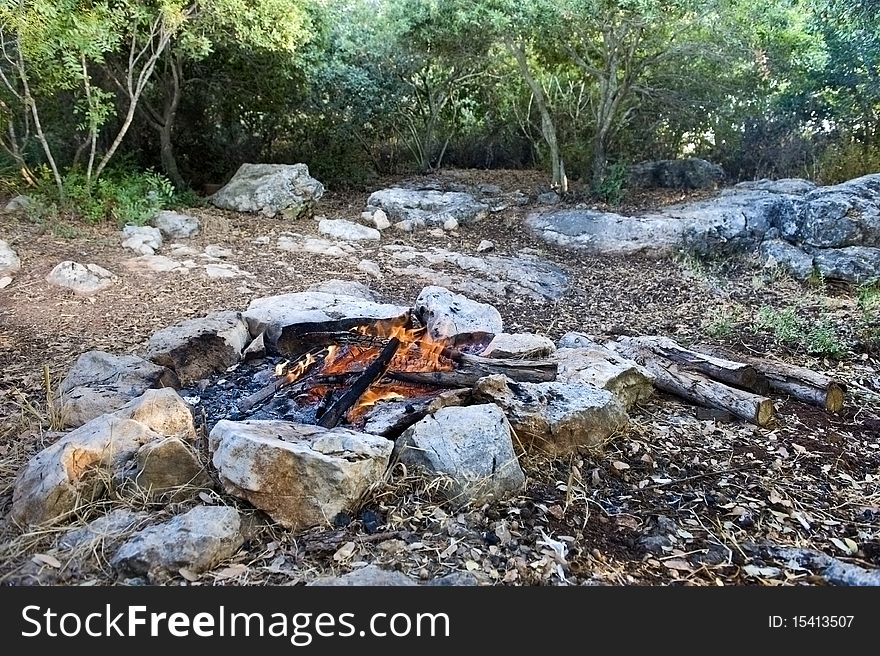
[{"x": 675, "y": 500}]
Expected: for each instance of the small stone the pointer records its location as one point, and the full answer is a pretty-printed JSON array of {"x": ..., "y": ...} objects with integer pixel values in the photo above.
[
  {"x": 217, "y": 251},
  {"x": 410, "y": 225},
  {"x": 168, "y": 466},
  {"x": 548, "y": 198},
  {"x": 147, "y": 264},
  {"x": 5, "y": 281},
  {"x": 519, "y": 345},
  {"x": 485, "y": 246},
  {"x": 145, "y": 240},
  {"x": 450, "y": 224},
  {"x": 174, "y": 225},
  {"x": 371, "y": 575},
  {"x": 197, "y": 540},
  {"x": 371, "y": 268},
  {"x": 105, "y": 531},
  {"x": 9, "y": 262},
  {"x": 380, "y": 220},
  {"x": 347, "y": 230}
]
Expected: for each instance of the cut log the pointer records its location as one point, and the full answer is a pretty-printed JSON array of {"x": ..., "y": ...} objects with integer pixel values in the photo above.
[
  {"x": 472, "y": 368},
  {"x": 377, "y": 367},
  {"x": 729, "y": 372},
  {"x": 798, "y": 382},
  {"x": 697, "y": 388}
]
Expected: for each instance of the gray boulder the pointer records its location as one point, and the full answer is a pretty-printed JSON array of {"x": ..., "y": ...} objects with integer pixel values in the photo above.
[
  {"x": 144, "y": 240},
  {"x": 777, "y": 252},
  {"x": 471, "y": 445},
  {"x": 284, "y": 317},
  {"x": 689, "y": 173},
  {"x": 299, "y": 474},
  {"x": 197, "y": 540},
  {"x": 81, "y": 279},
  {"x": 196, "y": 348},
  {"x": 270, "y": 189},
  {"x": 18, "y": 203},
  {"x": 100, "y": 382},
  {"x": 9, "y": 262},
  {"x": 846, "y": 214},
  {"x": 104, "y": 531},
  {"x": 558, "y": 418},
  {"x": 174, "y": 225},
  {"x": 455, "y": 317},
  {"x": 348, "y": 230},
  {"x": 856, "y": 264},
  {"x": 432, "y": 207}
]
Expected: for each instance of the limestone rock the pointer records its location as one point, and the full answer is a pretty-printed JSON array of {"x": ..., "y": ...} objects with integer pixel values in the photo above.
[
  {"x": 433, "y": 208},
  {"x": 790, "y": 186},
  {"x": 370, "y": 268},
  {"x": 556, "y": 417},
  {"x": 856, "y": 264},
  {"x": 149, "y": 264},
  {"x": 174, "y": 225},
  {"x": 100, "y": 382},
  {"x": 344, "y": 288},
  {"x": 600, "y": 367},
  {"x": 167, "y": 466},
  {"x": 519, "y": 345},
  {"x": 9, "y": 262},
  {"x": 196, "y": 348},
  {"x": 380, "y": 220},
  {"x": 780, "y": 253},
  {"x": 61, "y": 476},
  {"x": 20, "y": 202},
  {"x": 105, "y": 531},
  {"x": 82, "y": 279},
  {"x": 688, "y": 173},
  {"x": 452, "y": 316},
  {"x": 471, "y": 445},
  {"x": 371, "y": 575},
  {"x": 347, "y": 230},
  {"x": 144, "y": 240},
  {"x": 286, "y": 316},
  {"x": 197, "y": 540},
  {"x": 300, "y": 475},
  {"x": 485, "y": 246},
  {"x": 270, "y": 189}
]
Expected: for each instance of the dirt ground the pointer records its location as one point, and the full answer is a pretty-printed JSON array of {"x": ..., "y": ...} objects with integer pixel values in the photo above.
[{"x": 675, "y": 500}]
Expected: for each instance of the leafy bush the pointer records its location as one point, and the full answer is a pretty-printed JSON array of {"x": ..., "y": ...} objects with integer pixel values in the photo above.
[
  {"x": 123, "y": 196},
  {"x": 815, "y": 336},
  {"x": 612, "y": 189}
]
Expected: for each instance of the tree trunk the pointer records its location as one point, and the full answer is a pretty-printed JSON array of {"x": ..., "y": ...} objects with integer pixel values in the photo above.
[{"x": 166, "y": 128}]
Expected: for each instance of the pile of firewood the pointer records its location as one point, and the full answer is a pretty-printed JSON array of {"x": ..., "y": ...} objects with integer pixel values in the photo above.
[{"x": 712, "y": 378}]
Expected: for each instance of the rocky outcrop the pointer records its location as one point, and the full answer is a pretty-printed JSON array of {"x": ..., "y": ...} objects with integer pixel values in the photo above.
[
  {"x": 270, "y": 189},
  {"x": 300, "y": 475},
  {"x": 471, "y": 446},
  {"x": 427, "y": 207},
  {"x": 197, "y": 541},
  {"x": 689, "y": 173},
  {"x": 789, "y": 257},
  {"x": 100, "y": 382},
  {"x": 81, "y": 279},
  {"x": 197, "y": 348}
]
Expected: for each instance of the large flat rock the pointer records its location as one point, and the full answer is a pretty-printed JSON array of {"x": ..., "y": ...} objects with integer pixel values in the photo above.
[{"x": 427, "y": 206}]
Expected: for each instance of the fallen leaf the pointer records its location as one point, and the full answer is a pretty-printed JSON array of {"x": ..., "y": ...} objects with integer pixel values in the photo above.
[
  {"x": 46, "y": 559},
  {"x": 344, "y": 552},
  {"x": 206, "y": 498},
  {"x": 471, "y": 565},
  {"x": 846, "y": 545},
  {"x": 619, "y": 465},
  {"x": 188, "y": 574}
]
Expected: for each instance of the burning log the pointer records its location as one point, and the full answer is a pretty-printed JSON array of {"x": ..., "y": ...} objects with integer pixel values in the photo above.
[
  {"x": 697, "y": 388},
  {"x": 472, "y": 368},
  {"x": 737, "y": 374},
  {"x": 377, "y": 367}
]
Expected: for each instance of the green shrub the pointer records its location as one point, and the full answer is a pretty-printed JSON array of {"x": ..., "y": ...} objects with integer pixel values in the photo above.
[
  {"x": 815, "y": 336},
  {"x": 122, "y": 196},
  {"x": 612, "y": 189}
]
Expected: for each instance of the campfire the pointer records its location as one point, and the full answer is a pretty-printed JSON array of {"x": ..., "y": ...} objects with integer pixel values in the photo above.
[{"x": 344, "y": 377}]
